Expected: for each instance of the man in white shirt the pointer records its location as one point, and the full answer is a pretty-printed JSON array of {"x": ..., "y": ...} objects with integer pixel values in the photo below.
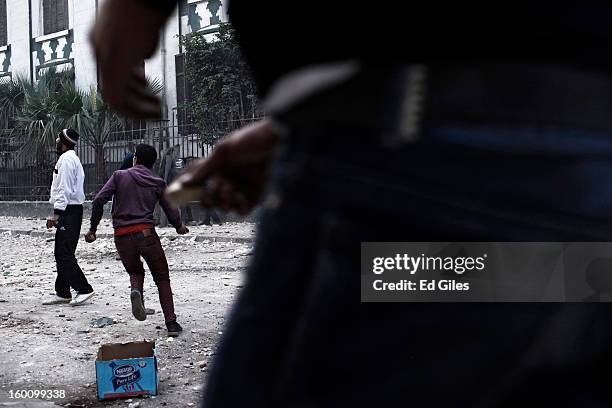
[{"x": 67, "y": 197}]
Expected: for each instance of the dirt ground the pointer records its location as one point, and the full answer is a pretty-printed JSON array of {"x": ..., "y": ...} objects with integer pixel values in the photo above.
[
  {"x": 55, "y": 347},
  {"x": 228, "y": 229}
]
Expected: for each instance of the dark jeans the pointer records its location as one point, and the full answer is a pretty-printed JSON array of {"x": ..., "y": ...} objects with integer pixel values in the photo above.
[
  {"x": 298, "y": 334},
  {"x": 69, "y": 274},
  {"x": 130, "y": 250}
]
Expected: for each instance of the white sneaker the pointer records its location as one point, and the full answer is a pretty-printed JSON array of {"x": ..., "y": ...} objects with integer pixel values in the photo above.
[
  {"x": 81, "y": 298},
  {"x": 56, "y": 300}
]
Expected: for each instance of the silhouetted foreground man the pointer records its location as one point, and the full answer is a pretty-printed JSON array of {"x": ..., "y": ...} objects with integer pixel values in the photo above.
[{"x": 481, "y": 122}]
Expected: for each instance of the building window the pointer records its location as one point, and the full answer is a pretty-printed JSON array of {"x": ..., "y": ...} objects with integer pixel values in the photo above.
[
  {"x": 3, "y": 29},
  {"x": 55, "y": 16},
  {"x": 183, "y": 96}
]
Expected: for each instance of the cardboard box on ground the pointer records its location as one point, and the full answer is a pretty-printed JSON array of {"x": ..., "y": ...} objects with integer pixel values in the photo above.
[{"x": 127, "y": 370}]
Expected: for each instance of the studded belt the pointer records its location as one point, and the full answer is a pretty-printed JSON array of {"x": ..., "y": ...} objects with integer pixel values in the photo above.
[{"x": 398, "y": 101}]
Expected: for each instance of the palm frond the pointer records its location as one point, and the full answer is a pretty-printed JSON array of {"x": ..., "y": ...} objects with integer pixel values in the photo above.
[
  {"x": 155, "y": 85},
  {"x": 11, "y": 100}
]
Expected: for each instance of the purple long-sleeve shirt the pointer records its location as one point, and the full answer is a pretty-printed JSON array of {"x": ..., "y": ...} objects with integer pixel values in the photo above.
[{"x": 135, "y": 192}]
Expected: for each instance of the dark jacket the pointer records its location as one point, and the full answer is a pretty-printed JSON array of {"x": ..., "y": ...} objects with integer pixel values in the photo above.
[{"x": 135, "y": 192}]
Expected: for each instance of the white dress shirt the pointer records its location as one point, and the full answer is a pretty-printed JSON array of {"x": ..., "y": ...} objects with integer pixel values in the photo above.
[{"x": 68, "y": 180}]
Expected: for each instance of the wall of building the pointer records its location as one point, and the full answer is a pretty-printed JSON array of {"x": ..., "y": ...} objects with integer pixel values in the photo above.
[
  {"x": 18, "y": 37},
  {"x": 72, "y": 49},
  {"x": 82, "y": 18},
  {"x": 161, "y": 65},
  {"x": 41, "y": 209}
]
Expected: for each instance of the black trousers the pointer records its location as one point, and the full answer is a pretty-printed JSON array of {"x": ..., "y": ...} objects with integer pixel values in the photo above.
[
  {"x": 298, "y": 335},
  {"x": 69, "y": 274}
]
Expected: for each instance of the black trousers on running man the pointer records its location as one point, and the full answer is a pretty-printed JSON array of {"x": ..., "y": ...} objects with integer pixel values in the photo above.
[{"x": 69, "y": 273}]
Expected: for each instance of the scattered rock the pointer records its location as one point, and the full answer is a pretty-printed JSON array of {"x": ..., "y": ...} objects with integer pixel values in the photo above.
[{"x": 102, "y": 322}]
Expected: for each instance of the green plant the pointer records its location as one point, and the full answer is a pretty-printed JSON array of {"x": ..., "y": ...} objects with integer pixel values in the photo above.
[
  {"x": 47, "y": 105},
  {"x": 222, "y": 88},
  {"x": 53, "y": 103},
  {"x": 11, "y": 101}
]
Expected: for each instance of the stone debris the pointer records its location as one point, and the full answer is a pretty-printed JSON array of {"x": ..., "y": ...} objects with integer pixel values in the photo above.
[
  {"x": 41, "y": 337},
  {"x": 102, "y": 322}
]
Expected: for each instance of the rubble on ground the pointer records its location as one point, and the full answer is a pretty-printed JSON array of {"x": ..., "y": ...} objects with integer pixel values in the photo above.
[{"x": 54, "y": 347}]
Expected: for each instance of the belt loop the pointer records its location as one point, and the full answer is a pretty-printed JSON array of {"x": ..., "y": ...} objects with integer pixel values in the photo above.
[
  {"x": 415, "y": 89},
  {"x": 411, "y": 100}
]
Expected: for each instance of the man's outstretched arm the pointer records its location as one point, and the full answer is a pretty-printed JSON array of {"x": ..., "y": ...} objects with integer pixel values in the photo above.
[
  {"x": 126, "y": 33},
  {"x": 163, "y": 6},
  {"x": 236, "y": 172},
  {"x": 173, "y": 214},
  {"x": 101, "y": 198}
]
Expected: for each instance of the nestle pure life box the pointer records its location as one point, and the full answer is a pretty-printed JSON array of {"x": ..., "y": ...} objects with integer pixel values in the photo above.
[{"x": 126, "y": 370}]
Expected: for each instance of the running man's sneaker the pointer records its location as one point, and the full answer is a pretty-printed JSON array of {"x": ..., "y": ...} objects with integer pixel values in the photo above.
[
  {"x": 56, "y": 300},
  {"x": 81, "y": 298},
  {"x": 173, "y": 328},
  {"x": 138, "y": 309}
]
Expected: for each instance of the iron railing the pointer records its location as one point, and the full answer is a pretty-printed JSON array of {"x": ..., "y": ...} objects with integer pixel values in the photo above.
[{"x": 24, "y": 177}]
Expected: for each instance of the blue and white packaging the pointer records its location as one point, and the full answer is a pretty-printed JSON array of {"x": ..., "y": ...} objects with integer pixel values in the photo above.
[{"x": 127, "y": 370}]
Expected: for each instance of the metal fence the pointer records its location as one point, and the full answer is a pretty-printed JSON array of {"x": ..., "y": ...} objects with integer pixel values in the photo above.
[{"x": 29, "y": 178}]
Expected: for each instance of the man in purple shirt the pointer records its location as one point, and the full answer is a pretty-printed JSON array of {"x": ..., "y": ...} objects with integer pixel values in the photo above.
[{"x": 135, "y": 193}]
